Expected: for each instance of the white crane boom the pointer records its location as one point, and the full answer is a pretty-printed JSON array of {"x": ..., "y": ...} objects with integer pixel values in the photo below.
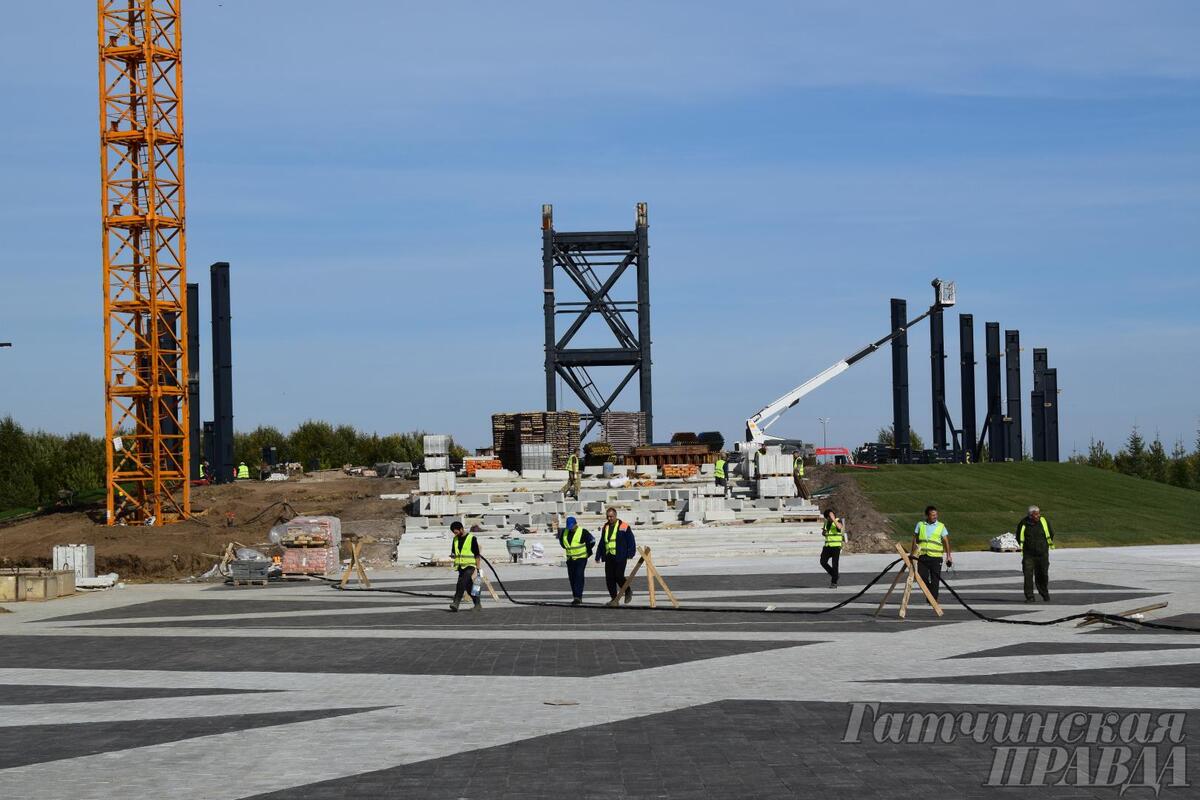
[{"x": 757, "y": 425}]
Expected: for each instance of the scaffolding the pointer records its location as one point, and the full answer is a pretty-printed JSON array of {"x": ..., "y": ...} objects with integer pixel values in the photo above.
[{"x": 145, "y": 310}]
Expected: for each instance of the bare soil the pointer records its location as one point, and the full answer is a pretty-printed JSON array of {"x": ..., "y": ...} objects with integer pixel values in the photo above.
[
  {"x": 869, "y": 531},
  {"x": 185, "y": 549}
]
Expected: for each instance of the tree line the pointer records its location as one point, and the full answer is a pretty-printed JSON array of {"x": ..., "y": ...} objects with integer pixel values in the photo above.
[
  {"x": 37, "y": 468},
  {"x": 1150, "y": 461}
]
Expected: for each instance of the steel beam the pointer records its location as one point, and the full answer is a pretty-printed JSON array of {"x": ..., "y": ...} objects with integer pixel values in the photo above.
[
  {"x": 1050, "y": 389},
  {"x": 1037, "y": 406},
  {"x": 193, "y": 380}
]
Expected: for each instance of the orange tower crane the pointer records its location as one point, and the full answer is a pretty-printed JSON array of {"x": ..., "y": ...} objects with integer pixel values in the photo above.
[{"x": 145, "y": 308}]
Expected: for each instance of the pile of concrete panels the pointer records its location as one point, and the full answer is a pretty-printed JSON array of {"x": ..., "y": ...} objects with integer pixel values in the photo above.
[
  {"x": 436, "y": 496},
  {"x": 437, "y": 451}
]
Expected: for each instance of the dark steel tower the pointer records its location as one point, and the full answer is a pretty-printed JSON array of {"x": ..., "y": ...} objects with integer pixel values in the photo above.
[
  {"x": 1037, "y": 406},
  {"x": 1012, "y": 384},
  {"x": 966, "y": 363},
  {"x": 595, "y": 262},
  {"x": 195, "y": 445},
  {"x": 997, "y": 443},
  {"x": 937, "y": 378},
  {"x": 900, "y": 420},
  {"x": 222, "y": 358}
]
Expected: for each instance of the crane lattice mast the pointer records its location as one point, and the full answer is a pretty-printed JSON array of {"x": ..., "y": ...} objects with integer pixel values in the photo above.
[{"x": 145, "y": 308}]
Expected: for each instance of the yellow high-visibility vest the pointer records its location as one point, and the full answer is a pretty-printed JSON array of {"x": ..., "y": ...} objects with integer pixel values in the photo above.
[
  {"x": 574, "y": 545},
  {"x": 929, "y": 539},
  {"x": 463, "y": 550}
]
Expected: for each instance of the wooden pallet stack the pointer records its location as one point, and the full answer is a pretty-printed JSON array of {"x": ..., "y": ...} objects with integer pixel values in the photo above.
[
  {"x": 664, "y": 454},
  {"x": 624, "y": 430},
  {"x": 560, "y": 429}
]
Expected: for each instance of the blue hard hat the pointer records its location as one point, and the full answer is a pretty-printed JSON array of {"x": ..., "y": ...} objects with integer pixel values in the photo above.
[{"x": 570, "y": 522}]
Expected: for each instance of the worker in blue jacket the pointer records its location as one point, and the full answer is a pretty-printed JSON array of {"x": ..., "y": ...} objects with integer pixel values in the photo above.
[
  {"x": 577, "y": 544},
  {"x": 617, "y": 546}
]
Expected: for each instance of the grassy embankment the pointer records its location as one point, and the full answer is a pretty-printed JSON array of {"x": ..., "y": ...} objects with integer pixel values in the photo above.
[{"x": 1088, "y": 507}]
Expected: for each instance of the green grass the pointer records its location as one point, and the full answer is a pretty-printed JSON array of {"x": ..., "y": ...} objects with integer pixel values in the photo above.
[{"x": 1088, "y": 507}]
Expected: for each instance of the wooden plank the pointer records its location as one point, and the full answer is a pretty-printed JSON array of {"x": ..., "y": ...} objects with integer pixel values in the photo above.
[
  {"x": 656, "y": 575},
  {"x": 1130, "y": 613},
  {"x": 888, "y": 593},
  {"x": 628, "y": 581}
]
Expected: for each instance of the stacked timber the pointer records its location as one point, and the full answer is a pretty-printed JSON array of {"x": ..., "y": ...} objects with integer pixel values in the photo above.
[
  {"x": 559, "y": 429},
  {"x": 663, "y": 454},
  {"x": 624, "y": 430}
]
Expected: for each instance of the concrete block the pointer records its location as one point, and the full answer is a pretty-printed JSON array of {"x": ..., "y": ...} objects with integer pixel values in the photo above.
[
  {"x": 650, "y": 505},
  {"x": 719, "y": 515},
  {"x": 495, "y": 520},
  {"x": 416, "y": 523},
  {"x": 594, "y": 507},
  {"x": 520, "y": 519},
  {"x": 594, "y": 495},
  {"x": 473, "y": 509},
  {"x": 649, "y": 470},
  {"x": 554, "y": 497},
  {"x": 575, "y": 508},
  {"x": 437, "y": 482},
  {"x": 555, "y": 475},
  {"x": 707, "y": 469},
  {"x": 435, "y": 505},
  {"x": 691, "y": 516},
  {"x": 593, "y": 471},
  {"x": 493, "y": 474},
  {"x": 664, "y": 517},
  {"x": 661, "y": 494},
  {"x": 533, "y": 474},
  {"x": 475, "y": 498},
  {"x": 628, "y": 495}
]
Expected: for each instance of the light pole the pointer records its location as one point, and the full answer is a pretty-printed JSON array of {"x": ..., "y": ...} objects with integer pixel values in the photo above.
[{"x": 824, "y": 439}]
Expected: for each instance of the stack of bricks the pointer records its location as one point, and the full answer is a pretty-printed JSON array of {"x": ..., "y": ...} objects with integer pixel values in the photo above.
[
  {"x": 560, "y": 429},
  {"x": 680, "y": 470},
  {"x": 471, "y": 464}
]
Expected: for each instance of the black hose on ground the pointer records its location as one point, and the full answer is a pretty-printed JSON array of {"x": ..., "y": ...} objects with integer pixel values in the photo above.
[{"x": 1096, "y": 615}]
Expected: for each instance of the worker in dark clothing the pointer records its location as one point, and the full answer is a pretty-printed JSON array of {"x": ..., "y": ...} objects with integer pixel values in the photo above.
[
  {"x": 835, "y": 535},
  {"x": 464, "y": 550},
  {"x": 577, "y": 544},
  {"x": 617, "y": 546},
  {"x": 1037, "y": 540},
  {"x": 930, "y": 541}
]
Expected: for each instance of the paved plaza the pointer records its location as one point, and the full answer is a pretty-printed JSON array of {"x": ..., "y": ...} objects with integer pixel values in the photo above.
[{"x": 301, "y": 691}]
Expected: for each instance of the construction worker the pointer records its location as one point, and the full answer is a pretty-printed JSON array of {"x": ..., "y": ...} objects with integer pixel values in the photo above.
[
  {"x": 617, "y": 546},
  {"x": 571, "y": 487},
  {"x": 203, "y": 468},
  {"x": 930, "y": 541},
  {"x": 835, "y": 536},
  {"x": 464, "y": 550},
  {"x": 577, "y": 544},
  {"x": 1037, "y": 540},
  {"x": 798, "y": 475},
  {"x": 243, "y": 472},
  {"x": 719, "y": 467}
]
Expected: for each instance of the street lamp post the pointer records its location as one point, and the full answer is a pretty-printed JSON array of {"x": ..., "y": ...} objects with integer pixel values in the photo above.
[{"x": 824, "y": 439}]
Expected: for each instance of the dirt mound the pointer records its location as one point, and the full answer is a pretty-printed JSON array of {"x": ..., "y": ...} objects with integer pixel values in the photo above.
[
  {"x": 178, "y": 551},
  {"x": 869, "y": 531}
]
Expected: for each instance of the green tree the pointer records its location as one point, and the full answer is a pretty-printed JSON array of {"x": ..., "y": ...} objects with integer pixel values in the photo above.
[
  {"x": 1156, "y": 461},
  {"x": 18, "y": 489},
  {"x": 1132, "y": 459},
  {"x": 887, "y": 438},
  {"x": 1098, "y": 455},
  {"x": 248, "y": 447},
  {"x": 311, "y": 444},
  {"x": 1179, "y": 473}
]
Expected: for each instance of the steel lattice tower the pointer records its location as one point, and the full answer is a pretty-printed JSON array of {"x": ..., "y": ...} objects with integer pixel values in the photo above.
[{"x": 145, "y": 309}]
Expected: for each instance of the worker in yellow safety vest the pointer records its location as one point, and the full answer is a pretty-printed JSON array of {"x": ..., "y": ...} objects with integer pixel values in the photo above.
[
  {"x": 798, "y": 475},
  {"x": 931, "y": 541},
  {"x": 243, "y": 472},
  {"x": 1037, "y": 540},
  {"x": 617, "y": 546},
  {"x": 834, "y": 531},
  {"x": 464, "y": 552},
  {"x": 571, "y": 487},
  {"x": 719, "y": 468},
  {"x": 577, "y": 544}
]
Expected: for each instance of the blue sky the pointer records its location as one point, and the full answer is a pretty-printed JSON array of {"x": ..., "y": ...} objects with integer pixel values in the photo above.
[{"x": 375, "y": 175}]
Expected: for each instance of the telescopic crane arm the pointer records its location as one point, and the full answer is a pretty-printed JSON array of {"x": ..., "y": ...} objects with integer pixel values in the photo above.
[{"x": 757, "y": 425}]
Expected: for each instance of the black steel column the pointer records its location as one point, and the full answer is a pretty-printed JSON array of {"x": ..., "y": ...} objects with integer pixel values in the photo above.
[
  {"x": 1050, "y": 388},
  {"x": 937, "y": 378},
  {"x": 195, "y": 446},
  {"x": 997, "y": 444},
  {"x": 966, "y": 365},
  {"x": 548, "y": 305},
  {"x": 643, "y": 301},
  {"x": 222, "y": 358},
  {"x": 1037, "y": 406},
  {"x": 1012, "y": 385},
  {"x": 900, "y": 425}
]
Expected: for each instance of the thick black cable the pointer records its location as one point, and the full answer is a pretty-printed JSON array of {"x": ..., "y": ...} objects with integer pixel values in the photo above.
[
  {"x": 707, "y": 609},
  {"x": 1096, "y": 615}
]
